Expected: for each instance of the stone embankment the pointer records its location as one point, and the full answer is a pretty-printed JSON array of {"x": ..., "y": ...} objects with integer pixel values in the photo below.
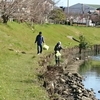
[
  {"x": 64, "y": 82},
  {"x": 65, "y": 85}
]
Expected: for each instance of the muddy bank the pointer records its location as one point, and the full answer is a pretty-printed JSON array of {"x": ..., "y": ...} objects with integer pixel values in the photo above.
[{"x": 63, "y": 82}]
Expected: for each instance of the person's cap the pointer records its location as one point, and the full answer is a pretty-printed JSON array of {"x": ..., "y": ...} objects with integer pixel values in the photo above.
[{"x": 59, "y": 43}]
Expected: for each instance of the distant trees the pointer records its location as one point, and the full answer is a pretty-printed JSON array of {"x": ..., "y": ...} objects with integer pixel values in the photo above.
[
  {"x": 25, "y": 10},
  {"x": 58, "y": 16},
  {"x": 39, "y": 10},
  {"x": 8, "y": 8}
]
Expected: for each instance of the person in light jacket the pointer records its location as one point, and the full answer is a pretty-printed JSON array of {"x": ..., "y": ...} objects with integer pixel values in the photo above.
[{"x": 57, "y": 50}]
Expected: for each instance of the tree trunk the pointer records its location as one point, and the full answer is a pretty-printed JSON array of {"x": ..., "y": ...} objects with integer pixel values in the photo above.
[{"x": 5, "y": 18}]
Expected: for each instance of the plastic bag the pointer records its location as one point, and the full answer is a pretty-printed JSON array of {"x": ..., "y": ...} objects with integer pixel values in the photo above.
[
  {"x": 45, "y": 47},
  {"x": 58, "y": 54}
]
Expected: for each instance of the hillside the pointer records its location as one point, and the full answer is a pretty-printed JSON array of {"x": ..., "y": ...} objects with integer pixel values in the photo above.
[{"x": 19, "y": 61}]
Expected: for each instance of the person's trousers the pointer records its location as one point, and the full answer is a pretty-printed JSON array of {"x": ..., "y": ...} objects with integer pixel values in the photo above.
[
  {"x": 57, "y": 60},
  {"x": 39, "y": 49}
]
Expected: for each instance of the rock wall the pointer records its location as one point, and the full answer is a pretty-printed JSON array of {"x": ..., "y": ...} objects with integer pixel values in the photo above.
[
  {"x": 66, "y": 86},
  {"x": 63, "y": 82}
]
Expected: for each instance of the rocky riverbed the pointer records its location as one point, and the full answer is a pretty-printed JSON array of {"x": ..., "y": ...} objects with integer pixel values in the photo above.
[
  {"x": 65, "y": 85},
  {"x": 64, "y": 82}
]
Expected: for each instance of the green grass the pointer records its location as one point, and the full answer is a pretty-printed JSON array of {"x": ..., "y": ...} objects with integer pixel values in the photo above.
[
  {"x": 18, "y": 72},
  {"x": 96, "y": 63}
]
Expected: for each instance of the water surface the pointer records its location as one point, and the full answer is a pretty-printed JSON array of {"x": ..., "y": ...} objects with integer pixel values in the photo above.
[{"x": 91, "y": 73}]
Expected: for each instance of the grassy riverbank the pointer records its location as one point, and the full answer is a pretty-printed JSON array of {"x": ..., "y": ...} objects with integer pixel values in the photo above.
[{"x": 19, "y": 62}]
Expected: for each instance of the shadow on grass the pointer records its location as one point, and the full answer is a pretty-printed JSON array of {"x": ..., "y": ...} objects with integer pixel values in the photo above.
[
  {"x": 33, "y": 57},
  {"x": 28, "y": 81}
]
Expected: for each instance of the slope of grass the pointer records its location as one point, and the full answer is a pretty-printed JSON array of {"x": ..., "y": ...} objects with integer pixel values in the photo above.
[{"x": 18, "y": 71}]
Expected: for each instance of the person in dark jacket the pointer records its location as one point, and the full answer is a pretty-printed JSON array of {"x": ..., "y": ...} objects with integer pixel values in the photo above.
[
  {"x": 39, "y": 40},
  {"x": 57, "y": 49}
]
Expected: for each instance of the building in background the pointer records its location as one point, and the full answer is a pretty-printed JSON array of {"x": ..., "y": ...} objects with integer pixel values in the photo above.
[{"x": 82, "y": 13}]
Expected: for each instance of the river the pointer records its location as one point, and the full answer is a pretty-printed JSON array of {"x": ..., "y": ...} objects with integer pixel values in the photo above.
[{"x": 91, "y": 74}]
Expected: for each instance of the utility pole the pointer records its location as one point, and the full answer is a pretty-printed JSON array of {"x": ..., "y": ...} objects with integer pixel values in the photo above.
[
  {"x": 68, "y": 7},
  {"x": 83, "y": 9},
  {"x": 82, "y": 12}
]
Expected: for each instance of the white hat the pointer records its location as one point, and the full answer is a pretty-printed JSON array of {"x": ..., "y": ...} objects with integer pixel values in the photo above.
[{"x": 59, "y": 42}]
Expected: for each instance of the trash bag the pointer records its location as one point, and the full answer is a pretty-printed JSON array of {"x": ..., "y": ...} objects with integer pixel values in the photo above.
[
  {"x": 45, "y": 47},
  {"x": 58, "y": 54}
]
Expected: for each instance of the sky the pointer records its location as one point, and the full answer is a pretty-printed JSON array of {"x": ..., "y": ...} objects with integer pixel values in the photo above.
[{"x": 64, "y": 3}]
